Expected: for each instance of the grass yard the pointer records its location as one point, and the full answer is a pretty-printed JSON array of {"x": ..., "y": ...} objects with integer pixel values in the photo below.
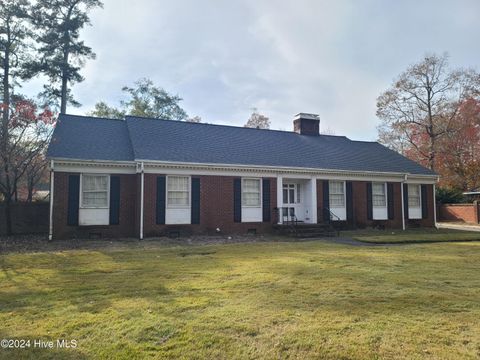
[
  {"x": 423, "y": 235},
  {"x": 252, "y": 300}
]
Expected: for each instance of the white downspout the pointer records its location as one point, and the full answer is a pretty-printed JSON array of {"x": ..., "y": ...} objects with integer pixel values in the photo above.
[
  {"x": 403, "y": 204},
  {"x": 434, "y": 207},
  {"x": 142, "y": 178},
  {"x": 50, "y": 224}
]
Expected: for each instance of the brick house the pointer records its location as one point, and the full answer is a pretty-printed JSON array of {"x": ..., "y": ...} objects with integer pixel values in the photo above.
[{"x": 144, "y": 177}]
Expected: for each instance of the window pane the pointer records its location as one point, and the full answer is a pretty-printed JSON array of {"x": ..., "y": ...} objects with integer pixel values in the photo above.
[
  {"x": 337, "y": 196},
  {"x": 413, "y": 190},
  {"x": 413, "y": 195},
  {"x": 379, "y": 200},
  {"x": 337, "y": 200},
  {"x": 94, "y": 182},
  {"x": 178, "y": 183},
  {"x": 292, "y": 196},
  {"x": 251, "y": 192},
  {"x": 378, "y": 195},
  {"x": 178, "y": 192},
  {"x": 251, "y": 185},
  {"x": 178, "y": 198},
  {"x": 285, "y": 196},
  {"x": 251, "y": 199},
  {"x": 95, "y": 199},
  {"x": 378, "y": 188},
  {"x": 336, "y": 187}
]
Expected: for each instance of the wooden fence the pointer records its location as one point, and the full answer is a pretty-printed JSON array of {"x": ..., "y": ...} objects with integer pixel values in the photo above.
[{"x": 27, "y": 218}]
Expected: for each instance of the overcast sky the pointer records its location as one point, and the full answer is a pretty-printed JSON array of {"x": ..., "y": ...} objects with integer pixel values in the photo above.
[{"x": 225, "y": 57}]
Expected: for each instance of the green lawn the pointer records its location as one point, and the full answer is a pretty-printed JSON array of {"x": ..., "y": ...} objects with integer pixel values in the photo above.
[
  {"x": 272, "y": 300},
  {"x": 411, "y": 235}
]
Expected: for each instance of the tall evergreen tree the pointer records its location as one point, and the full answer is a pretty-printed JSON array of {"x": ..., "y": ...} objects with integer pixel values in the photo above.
[
  {"x": 14, "y": 41},
  {"x": 62, "y": 51}
]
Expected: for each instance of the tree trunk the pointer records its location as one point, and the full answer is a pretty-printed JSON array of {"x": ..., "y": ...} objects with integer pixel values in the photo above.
[
  {"x": 8, "y": 215},
  {"x": 30, "y": 191},
  {"x": 431, "y": 160},
  {"x": 64, "y": 90},
  {"x": 63, "y": 101}
]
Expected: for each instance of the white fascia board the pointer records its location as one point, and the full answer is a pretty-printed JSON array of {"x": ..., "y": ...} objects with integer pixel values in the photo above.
[
  {"x": 274, "y": 171},
  {"x": 177, "y": 168},
  {"x": 95, "y": 166}
]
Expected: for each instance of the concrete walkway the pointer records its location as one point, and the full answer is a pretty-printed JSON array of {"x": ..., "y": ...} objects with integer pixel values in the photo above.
[{"x": 458, "y": 226}]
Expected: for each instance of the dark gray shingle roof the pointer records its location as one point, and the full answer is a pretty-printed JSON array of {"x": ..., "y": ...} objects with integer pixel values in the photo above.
[
  {"x": 89, "y": 138},
  {"x": 176, "y": 141}
]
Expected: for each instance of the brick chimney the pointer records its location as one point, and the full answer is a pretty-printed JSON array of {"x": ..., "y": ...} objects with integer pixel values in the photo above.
[{"x": 306, "y": 124}]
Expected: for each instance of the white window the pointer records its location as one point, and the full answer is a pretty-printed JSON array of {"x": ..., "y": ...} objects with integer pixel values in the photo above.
[
  {"x": 251, "y": 190},
  {"x": 414, "y": 200},
  {"x": 95, "y": 191},
  {"x": 379, "y": 198},
  {"x": 178, "y": 191},
  {"x": 337, "y": 194}
]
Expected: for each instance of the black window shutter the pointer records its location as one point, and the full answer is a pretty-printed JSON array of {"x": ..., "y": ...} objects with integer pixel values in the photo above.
[
  {"x": 237, "y": 200},
  {"x": 266, "y": 200},
  {"x": 114, "y": 200},
  {"x": 424, "y": 202},
  {"x": 161, "y": 200},
  {"x": 195, "y": 201},
  {"x": 326, "y": 201},
  {"x": 405, "y": 200},
  {"x": 369, "y": 201},
  {"x": 73, "y": 199},
  {"x": 349, "y": 190},
  {"x": 390, "y": 204}
]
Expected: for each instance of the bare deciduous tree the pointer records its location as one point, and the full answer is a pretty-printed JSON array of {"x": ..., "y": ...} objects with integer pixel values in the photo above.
[
  {"x": 423, "y": 102},
  {"x": 258, "y": 121}
]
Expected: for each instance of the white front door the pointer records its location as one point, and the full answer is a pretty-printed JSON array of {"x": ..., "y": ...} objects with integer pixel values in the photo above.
[{"x": 292, "y": 208}]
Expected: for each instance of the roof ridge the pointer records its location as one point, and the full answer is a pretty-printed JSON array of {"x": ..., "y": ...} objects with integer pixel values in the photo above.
[
  {"x": 227, "y": 126},
  {"x": 90, "y": 117}
]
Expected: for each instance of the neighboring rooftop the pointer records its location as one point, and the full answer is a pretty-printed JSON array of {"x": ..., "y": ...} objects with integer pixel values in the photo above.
[{"x": 136, "y": 138}]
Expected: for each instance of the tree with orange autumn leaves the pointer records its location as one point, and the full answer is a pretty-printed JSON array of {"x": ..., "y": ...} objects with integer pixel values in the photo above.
[
  {"x": 23, "y": 141},
  {"x": 431, "y": 114}
]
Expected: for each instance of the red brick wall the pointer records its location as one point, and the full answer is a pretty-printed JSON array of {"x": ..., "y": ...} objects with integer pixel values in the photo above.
[
  {"x": 359, "y": 189},
  {"x": 128, "y": 213},
  {"x": 216, "y": 208},
  {"x": 469, "y": 213}
]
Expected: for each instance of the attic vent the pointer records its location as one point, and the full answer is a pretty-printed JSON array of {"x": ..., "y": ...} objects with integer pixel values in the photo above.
[{"x": 306, "y": 124}]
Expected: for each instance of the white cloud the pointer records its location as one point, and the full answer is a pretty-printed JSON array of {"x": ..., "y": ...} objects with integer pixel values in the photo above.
[{"x": 282, "y": 57}]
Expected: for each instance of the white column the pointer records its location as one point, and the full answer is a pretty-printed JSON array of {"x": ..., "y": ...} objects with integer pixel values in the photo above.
[
  {"x": 50, "y": 224},
  {"x": 313, "y": 192},
  {"x": 279, "y": 198}
]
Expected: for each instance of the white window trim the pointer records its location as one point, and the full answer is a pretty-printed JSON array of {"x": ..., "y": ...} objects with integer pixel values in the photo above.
[
  {"x": 189, "y": 190},
  {"x": 385, "y": 192},
  {"x": 81, "y": 192},
  {"x": 344, "y": 195},
  {"x": 261, "y": 193}
]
